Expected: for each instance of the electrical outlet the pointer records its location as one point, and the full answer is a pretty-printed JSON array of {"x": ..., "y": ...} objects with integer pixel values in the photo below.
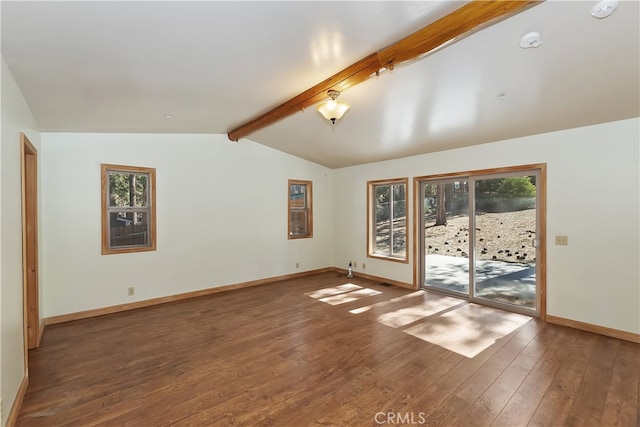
[
  {"x": 363, "y": 265},
  {"x": 131, "y": 291},
  {"x": 562, "y": 240},
  {"x": 297, "y": 265},
  {"x": 355, "y": 264}
]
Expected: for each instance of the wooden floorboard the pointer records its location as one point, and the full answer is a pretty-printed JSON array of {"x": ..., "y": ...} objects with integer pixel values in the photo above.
[
  {"x": 327, "y": 350},
  {"x": 525, "y": 400}
]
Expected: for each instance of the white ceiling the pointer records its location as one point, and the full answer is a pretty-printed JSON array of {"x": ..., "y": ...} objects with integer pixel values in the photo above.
[{"x": 120, "y": 66}]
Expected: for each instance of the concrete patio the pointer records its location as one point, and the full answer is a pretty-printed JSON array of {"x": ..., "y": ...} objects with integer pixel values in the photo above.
[{"x": 512, "y": 282}]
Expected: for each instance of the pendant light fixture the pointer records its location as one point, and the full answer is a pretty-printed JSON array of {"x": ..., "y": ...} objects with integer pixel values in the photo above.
[{"x": 332, "y": 109}]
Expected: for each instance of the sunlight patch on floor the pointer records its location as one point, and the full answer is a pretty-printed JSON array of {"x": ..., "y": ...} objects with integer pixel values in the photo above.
[
  {"x": 342, "y": 294},
  {"x": 349, "y": 296},
  {"x": 334, "y": 290},
  {"x": 366, "y": 308},
  {"x": 407, "y": 315},
  {"x": 469, "y": 329}
]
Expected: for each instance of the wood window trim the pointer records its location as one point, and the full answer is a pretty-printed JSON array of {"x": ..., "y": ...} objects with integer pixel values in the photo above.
[
  {"x": 104, "y": 172},
  {"x": 371, "y": 223},
  {"x": 309, "y": 209}
]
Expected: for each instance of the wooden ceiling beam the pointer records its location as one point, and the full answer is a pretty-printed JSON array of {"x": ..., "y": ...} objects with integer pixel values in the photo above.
[
  {"x": 350, "y": 76},
  {"x": 460, "y": 23}
]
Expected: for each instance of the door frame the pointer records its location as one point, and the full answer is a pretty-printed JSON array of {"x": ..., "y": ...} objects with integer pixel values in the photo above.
[
  {"x": 541, "y": 188},
  {"x": 30, "y": 267}
]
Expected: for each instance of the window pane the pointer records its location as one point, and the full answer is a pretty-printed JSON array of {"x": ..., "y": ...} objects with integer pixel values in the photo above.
[
  {"x": 297, "y": 196},
  {"x": 399, "y": 220},
  {"x": 505, "y": 267},
  {"x": 128, "y": 189},
  {"x": 298, "y": 225},
  {"x": 382, "y": 230},
  {"x": 446, "y": 234},
  {"x": 129, "y": 228}
]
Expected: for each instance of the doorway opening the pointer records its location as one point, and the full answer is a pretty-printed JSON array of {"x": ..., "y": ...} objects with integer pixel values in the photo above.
[{"x": 481, "y": 236}]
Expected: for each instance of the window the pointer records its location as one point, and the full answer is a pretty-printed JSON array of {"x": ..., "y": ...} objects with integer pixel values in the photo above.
[
  {"x": 128, "y": 209},
  {"x": 300, "y": 209},
  {"x": 387, "y": 219}
]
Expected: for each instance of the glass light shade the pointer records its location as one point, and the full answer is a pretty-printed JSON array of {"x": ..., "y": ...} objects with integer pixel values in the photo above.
[{"x": 333, "y": 109}]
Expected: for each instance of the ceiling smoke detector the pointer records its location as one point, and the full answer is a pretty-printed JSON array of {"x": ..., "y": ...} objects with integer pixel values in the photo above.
[
  {"x": 604, "y": 8},
  {"x": 531, "y": 39}
]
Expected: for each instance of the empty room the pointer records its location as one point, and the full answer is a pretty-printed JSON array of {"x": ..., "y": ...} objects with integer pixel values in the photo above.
[{"x": 266, "y": 213}]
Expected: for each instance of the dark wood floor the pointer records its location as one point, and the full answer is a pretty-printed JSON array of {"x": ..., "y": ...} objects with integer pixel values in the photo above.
[{"x": 317, "y": 351}]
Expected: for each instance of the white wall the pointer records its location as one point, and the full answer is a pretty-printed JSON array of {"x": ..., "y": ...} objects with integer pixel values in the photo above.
[
  {"x": 16, "y": 118},
  {"x": 221, "y": 217},
  {"x": 593, "y": 183}
]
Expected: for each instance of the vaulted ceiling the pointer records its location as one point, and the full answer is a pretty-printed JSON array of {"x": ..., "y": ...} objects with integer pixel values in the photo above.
[{"x": 212, "y": 66}]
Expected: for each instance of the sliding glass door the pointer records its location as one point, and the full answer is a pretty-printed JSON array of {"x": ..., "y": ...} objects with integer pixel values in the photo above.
[{"x": 481, "y": 238}]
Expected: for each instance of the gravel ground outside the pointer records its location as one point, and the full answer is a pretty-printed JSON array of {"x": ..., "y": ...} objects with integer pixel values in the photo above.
[{"x": 505, "y": 236}]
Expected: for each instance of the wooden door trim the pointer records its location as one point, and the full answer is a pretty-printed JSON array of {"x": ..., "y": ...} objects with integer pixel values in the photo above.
[{"x": 29, "y": 172}]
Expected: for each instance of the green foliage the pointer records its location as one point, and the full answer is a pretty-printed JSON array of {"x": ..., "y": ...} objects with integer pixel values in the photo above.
[
  {"x": 120, "y": 186},
  {"x": 488, "y": 185},
  {"x": 430, "y": 190},
  {"x": 382, "y": 193},
  {"x": 516, "y": 186}
]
